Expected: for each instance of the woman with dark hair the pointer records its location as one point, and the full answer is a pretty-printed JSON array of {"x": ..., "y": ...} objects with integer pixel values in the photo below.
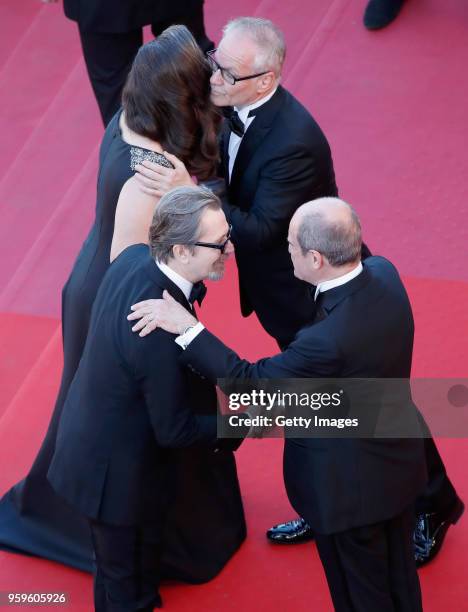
[{"x": 165, "y": 107}]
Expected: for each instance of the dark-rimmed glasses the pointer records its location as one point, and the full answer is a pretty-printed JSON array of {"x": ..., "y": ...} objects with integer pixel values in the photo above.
[
  {"x": 213, "y": 245},
  {"x": 228, "y": 76}
]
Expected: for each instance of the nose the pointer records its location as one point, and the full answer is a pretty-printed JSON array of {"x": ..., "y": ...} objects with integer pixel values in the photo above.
[
  {"x": 229, "y": 250},
  {"x": 216, "y": 78}
]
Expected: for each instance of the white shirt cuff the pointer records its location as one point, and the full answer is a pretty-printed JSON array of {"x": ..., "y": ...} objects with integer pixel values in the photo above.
[{"x": 185, "y": 339}]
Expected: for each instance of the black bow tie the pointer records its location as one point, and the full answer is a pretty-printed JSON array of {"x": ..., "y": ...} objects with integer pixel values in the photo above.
[
  {"x": 235, "y": 123},
  {"x": 198, "y": 293}
]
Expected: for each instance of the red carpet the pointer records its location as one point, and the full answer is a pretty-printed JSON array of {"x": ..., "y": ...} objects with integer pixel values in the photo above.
[{"x": 393, "y": 105}]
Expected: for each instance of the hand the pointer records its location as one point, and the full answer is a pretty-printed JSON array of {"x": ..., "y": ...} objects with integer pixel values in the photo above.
[
  {"x": 261, "y": 431},
  {"x": 167, "y": 314},
  {"x": 156, "y": 180}
]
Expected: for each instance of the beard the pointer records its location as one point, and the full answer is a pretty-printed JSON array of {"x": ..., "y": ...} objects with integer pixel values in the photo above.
[{"x": 216, "y": 276}]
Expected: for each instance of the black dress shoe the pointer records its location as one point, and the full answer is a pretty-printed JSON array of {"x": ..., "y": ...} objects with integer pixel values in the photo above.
[
  {"x": 379, "y": 13},
  {"x": 431, "y": 529},
  {"x": 292, "y": 532}
]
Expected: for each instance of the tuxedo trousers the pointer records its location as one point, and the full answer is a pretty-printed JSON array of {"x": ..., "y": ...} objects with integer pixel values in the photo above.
[
  {"x": 109, "y": 57},
  {"x": 372, "y": 568},
  {"x": 126, "y": 574}
]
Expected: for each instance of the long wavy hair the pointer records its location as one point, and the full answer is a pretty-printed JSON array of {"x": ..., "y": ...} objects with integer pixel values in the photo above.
[{"x": 167, "y": 98}]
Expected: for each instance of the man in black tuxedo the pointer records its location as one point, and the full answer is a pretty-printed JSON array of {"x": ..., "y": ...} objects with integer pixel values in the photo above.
[
  {"x": 111, "y": 34},
  {"x": 131, "y": 401},
  {"x": 357, "y": 492},
  {"x": 274, "y": 157}
]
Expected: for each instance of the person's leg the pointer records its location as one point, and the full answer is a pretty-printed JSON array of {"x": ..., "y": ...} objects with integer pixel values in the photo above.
[
  {"x": 108, "y": 59},
  {"x": 437, "y": 507},
  {"x": 404, "y": 581},
  {"x": 439, "y": 494},
  {"x": 125, "y": 579},
  {"x": 380, "y": 13},
  {"x": 355, "y": 565},
  {"x": 150, "y": 563},
  {"x": 371, "y": 567},
  {"x": 194, "y": 20},
  {"x": 334, "y": 573},
  {"x": 297, "y": 530}
]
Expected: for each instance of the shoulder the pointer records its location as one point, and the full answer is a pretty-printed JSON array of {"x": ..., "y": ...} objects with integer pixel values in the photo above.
[
  {"x": 380, "y": 267},
  {"x": 386, "y": 286},
  {"x": 131, "y": 192},
  {"x": 129, "y": 268},
  {"x": 295, "y": 127},
  {"x": 136, "y": 255},
  {"x": 297, "y": 113}
]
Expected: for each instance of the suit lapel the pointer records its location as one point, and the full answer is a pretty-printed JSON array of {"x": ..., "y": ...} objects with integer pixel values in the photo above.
[
  {"x": 257, "y": 131},
  {"x": 225, "y": 134},
  {"x": 164, "y": 282}
]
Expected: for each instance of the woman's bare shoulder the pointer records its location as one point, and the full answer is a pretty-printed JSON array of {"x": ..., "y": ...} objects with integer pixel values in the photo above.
[{"x": 131, "y": 194}]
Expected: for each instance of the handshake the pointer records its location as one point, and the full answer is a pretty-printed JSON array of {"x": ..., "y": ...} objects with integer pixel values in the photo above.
[{"x": 262, "y": 420}]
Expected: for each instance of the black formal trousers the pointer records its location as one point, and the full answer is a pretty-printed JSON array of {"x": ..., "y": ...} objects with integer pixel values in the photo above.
[
  {"x": 372, "y": 567},
  {"x": 109, "y": 57},
  {"x": 439, "y": 494},
  {"x": 126, "y": 575}
]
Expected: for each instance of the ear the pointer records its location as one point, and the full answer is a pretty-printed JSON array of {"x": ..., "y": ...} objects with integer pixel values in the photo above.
[
  {"x": 265, "y": 82},
  {"x": 317, "y": 259},
  {"x": 181, "y": 253}
]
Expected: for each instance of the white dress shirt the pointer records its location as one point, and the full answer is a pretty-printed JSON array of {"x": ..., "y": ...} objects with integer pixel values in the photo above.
[
  {"x": 234, "y": 139},
  {"x": 336, "y": 282},
  {"x": 184, "y": 285}
]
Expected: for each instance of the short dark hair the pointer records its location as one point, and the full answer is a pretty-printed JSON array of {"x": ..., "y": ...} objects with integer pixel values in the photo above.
[
  {"x": 167, "y": 99},
  {"x": 176, "y": 219},
  {"x": 339, "y": 241}
]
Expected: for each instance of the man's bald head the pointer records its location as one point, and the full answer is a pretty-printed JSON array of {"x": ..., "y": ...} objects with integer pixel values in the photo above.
[{"x": 331, "y": 227}]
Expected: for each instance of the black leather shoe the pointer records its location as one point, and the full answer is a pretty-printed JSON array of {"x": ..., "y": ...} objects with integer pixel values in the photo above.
[
  {"x": 430, "y": 531},
  {"x": 292, "y": 532},
  {"x": 379, "y": 13}
]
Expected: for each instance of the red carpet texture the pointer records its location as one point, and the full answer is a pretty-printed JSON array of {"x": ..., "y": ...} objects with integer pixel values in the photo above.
[{"x": 393, "y": 106}]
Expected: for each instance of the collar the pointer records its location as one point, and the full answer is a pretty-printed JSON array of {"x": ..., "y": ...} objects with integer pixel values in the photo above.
[
  {"x": 337, "y": 282},
  {"x": 245, "y": 110},
  {"x": 184, "y": 285}
]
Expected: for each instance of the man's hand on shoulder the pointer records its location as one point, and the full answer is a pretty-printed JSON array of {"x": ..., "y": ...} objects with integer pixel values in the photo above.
[
  {"x": 165, "y": 313},
  {"x": 156, "y": 180}
]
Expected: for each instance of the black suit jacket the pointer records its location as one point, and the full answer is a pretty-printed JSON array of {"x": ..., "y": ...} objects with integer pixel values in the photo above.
[
  {"x": 366, "y": 332},
  {"x": 283, "y": 161},
  {"x": 129, "y": 401},
  {"x": 124, "y": 15}
]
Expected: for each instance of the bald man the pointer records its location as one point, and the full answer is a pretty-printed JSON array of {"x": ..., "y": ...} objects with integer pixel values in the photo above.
[{"x": 358, "y": 493}]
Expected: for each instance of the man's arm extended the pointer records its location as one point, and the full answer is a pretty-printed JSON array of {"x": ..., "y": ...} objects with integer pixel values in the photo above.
[{"x": 310, "y": 355}]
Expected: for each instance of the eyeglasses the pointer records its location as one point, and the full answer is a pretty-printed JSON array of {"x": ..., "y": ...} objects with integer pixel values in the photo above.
[
  {"x": 228, "y": 76},
  {"x": 212, "y": 245}
]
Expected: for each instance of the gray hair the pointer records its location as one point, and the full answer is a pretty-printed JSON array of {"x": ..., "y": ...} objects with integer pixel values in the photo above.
[
  {"x": 176, "y": 220},
  {"x": 267, "y": 37},
  {"x": 339, "y": 241}
]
